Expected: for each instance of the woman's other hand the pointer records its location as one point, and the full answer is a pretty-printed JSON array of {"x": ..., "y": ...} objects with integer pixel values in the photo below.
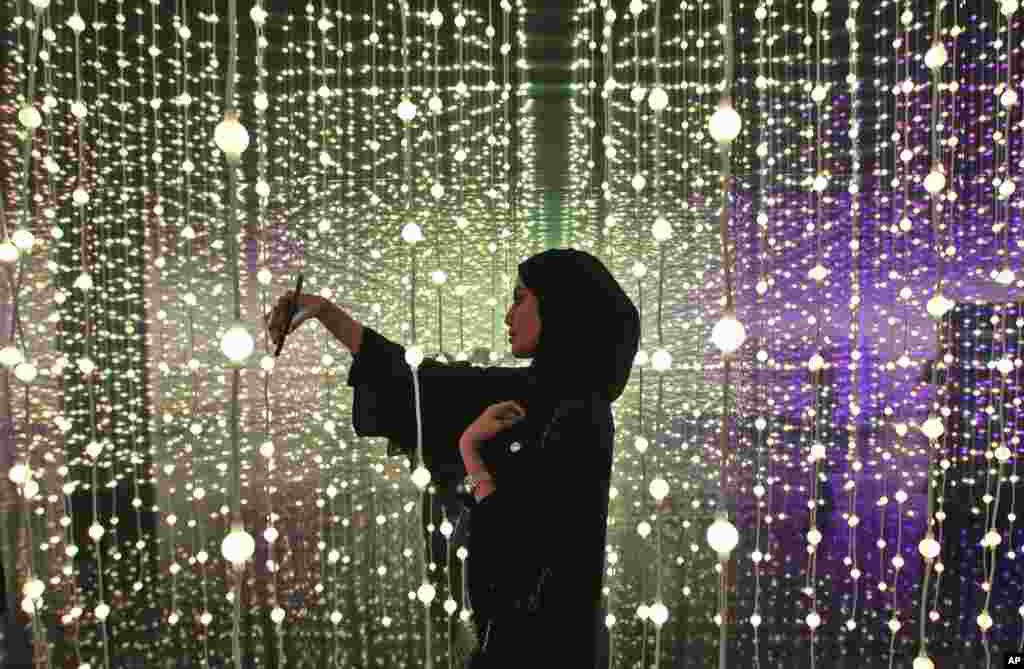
[
  {"x": 495, "y": 418},
  {"x": 307, "y": 306}
]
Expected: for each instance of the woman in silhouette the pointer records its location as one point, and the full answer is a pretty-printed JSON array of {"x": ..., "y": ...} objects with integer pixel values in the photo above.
[{"x": 533, "y": 443}]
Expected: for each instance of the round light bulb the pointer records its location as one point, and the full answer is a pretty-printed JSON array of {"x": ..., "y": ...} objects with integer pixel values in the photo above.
[
  {"x": 658, "y": 613},
  {"x": 923, "y": 662},
  {"x": 929, "y": 547},
  {"x": 933, "y": 427},
  {"x": 9, "y": 252},
  {"x": 412, "y": 233},
  {"x": 277, "y": 615},
  {"x": 406, "y": 110},
  {"x": 659, "y": 489},
  {"x": 237, "y": 343},
  {"x": 935, "y": 181},
  {"x": 725, "y": 124},
  {"x": 722, "y": 536},
  {"x": 231, "y": 137},
  {"x": 658, "y": 99},
  {"x": 238, "y": 546},
  {"x": 936, "y": 56},
  {"x": 728, "y": 334},
  {"x": 23, "y": 239},
  {"x": 26, "y": 372},
  {"x": 30, "y": 117},
  {"x": 661, "y": 230}
]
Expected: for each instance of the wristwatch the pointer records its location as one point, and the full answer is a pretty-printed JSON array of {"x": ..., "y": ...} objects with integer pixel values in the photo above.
[{"x": 470, "y": 482}]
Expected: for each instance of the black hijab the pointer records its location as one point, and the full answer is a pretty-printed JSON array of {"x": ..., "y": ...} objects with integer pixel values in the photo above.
[{"x": 590, "y": 329}]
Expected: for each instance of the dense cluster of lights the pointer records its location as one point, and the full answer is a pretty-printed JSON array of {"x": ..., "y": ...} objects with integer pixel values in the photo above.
[{"x": 807, "y": 244}]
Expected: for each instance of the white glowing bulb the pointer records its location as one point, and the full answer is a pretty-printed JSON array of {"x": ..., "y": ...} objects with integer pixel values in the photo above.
[
  {"x": 643, "y": 529},
  {"x": 659, "y": 489},
  {"x": 814, "y": 537},
  {"x": 231, "y": 137},
  {"x": 80, "y": 196},
  {"x": 435, "y": 105},
  {"x": 1009, "y": 98},
  {"x": 436, "y": 18},
  {"x": 94, "y": 449},
  {"x": 102, "y": 611},
  {"x": 933, "y": 427},
  {"x": 30, "y": 117},
  {"x": 425, "y": 593},
  {"x": 1005, "y": 366},
  {"x": 819, "y": 6},
  {"x": 661, "y": 230},
  {"x": 658, "y": 613},
  {"x": 1003, "y": 454},
  {"x": 1007, "y": 188},
  {"x": 96, "y": 531},
  {"x": 929, "y": 547},
  {"x": 755, "y": 620},
  {"x": 935, "y": 181},
  {"x": 258, "y": 15},
  {"x": 414, "y": 356},
  {"x": 205, "y": 619},
  {"x": 76, "y": 23},
  {"x": 261, "y": 102},
  {"x": 264, "y": 277},
  {"x": 421, "y": 477},
  {"x": 939, "y": 306},
  {"x": 658, "y": 99},
  {"x": 237, "y": 343},
  {"x": 639, "y": 182},
  {"x": 985, "y": 621},
  {"x": 819, "y": 93},
  {"x": 661, "y": 361},
  {"x": 79, "y": 110},
  {"x": 26, "y": 372},
  {"x": 33, "y": 588},
  {"x": 936, "y": 56},
  {"x": 277, "y": 615},
  {"x": 412, "y": 233},
  {"x": 992, "y": 539},
  {"x": 640, "y": 444},
  {"x": 816, "y": 362},
  {"x": 722, "y": 536},
  {"x": 728, "y": 334},
  {"x": 813, "y": 620},
  {"x": 437, "y": 191},
  {"x": 18, "y": 474},
  {"x": 923, "y": 662},
  {"x": 725, "y": 124},
  {"x": 270, "y": 534},
  {"x": 817, "y": 451},
  {"x": 9, "y": 252},
  {"x": 818, "y": 272},
  {"x": 267, "y": 449},
  {"x": 238, "y": 546},
  {"x": 406, "y": 110}
]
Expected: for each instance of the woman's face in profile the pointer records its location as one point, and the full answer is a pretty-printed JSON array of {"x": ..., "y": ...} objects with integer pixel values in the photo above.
[{"x": 523, "y": 321}]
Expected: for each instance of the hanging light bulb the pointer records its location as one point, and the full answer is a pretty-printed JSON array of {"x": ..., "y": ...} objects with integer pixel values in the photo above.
[
  {"x": 728, "y": 334},
  {"x": 936, "y": 56},
  {"x": 936, "y": 180},
  {"x": 933, "y": 428},
  {"x": 238, "y": 546},
  {"x": 231, "y": 137},
  {"x": 406, "y": 110},
  {"x": 237, "y": 343},
  {"x": 722, "y": 536},
  {"x": 725, "y": 124},
  {"x": 929, "y": 547},
  {"x": 9, "y": 252},
  {"x": 658, "y": 99}
]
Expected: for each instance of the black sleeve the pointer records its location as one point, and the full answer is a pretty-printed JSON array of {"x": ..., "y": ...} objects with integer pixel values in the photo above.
[{"x": 451, "y": 397}]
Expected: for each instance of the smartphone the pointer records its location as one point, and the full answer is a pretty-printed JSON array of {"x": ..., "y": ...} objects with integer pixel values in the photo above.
[{"x": 293, "y": 307}]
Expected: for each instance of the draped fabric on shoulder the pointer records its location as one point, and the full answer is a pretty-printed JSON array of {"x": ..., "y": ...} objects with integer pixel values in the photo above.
[{"x": 451, "y": 398}]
